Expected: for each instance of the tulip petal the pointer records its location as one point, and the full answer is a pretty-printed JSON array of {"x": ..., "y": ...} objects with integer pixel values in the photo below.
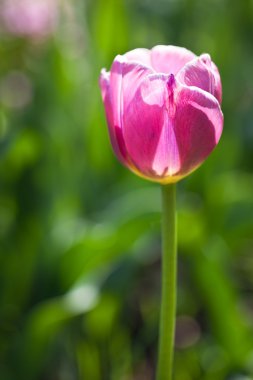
[
  {"x": 198, "y": 123},
  {"x": 139, "y": 55},
  {"x": 125, "y": 79},
  {"x": 217, "y": 89},
  {"x": 200, "y": 73},
  {"x": 122, "y": 79},
  {"x": 170, "y": 59},
  {"x": 115, "y": 137},
  {"x": 218, "y": 86},
  {"x": 148, "y": 132}
]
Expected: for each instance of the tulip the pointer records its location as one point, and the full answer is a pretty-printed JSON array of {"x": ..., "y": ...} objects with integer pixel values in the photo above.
[
  {"x": 34, "y": 19},
  {"x": 163, "y": 111},
  {"x": 164, "y": 118}
]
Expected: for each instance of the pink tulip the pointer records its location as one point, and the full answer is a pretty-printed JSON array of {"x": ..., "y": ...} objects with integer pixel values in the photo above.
[
  {"x": 29, "y": 18},
  {"x": 163, "y": 110}
]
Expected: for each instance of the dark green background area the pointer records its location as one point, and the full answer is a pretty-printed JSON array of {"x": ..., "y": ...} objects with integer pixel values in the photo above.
[{"x": 80, "y": 235}]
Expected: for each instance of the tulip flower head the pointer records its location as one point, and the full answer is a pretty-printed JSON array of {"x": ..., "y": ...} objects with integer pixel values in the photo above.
[{"x": 163, "y": 111}]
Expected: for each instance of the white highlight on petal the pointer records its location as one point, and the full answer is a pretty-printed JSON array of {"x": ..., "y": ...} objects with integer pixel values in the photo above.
[
  {"x": 167, "y": 150},
  {"x": 153, "y": 91}
]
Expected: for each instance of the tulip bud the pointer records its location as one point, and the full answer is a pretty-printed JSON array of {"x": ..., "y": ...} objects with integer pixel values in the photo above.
[{"x": 163, "y": 111}]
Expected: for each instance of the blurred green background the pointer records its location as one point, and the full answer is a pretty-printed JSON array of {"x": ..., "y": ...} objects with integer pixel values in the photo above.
[{"x": 80, "y": 235}]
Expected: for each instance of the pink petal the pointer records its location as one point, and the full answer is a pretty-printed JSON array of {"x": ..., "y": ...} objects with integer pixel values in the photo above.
[
  {"x": 115, "y": 136},
  {"x": 139, "y": 55},
  {"x": 199, "y": 72},
  {"x": 217, "y": 91},
  {"x": 170, "y": 59},
  {"x": 118, "y": 88},
  {"x": 218, "y": 87},
  {"x": 125, "y": 79},
  {"x": 198, "y": 124},
  {"x": 148, "y": 132}
]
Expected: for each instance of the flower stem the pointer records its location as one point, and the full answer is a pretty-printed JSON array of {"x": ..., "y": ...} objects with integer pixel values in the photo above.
[{"x": 169, "y": 283}]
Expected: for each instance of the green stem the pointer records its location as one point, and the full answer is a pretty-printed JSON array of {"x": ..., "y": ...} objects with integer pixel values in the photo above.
[{"x": 169, "y": 283}]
